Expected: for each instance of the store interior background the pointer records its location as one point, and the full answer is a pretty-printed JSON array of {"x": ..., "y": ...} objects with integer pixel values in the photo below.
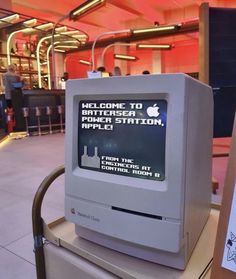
[
  {"x": 118, "y": 15},
  {"x": 17, "y": 191}
]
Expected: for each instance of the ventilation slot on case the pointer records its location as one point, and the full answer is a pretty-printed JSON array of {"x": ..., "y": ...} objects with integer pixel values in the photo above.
[{"x": 137, "y": 213}]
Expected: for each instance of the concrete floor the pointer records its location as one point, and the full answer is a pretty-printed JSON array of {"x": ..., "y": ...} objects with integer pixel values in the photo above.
[{"x": 24, "y": 163}]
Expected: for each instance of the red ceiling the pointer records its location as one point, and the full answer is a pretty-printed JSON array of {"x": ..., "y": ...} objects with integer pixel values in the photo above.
[{"x": 117, "y": 14}]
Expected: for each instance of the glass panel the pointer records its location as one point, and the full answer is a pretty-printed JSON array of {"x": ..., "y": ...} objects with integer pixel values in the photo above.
[
  {"x": 25, "y": 65},
  {"x": 33, "y": 65}
]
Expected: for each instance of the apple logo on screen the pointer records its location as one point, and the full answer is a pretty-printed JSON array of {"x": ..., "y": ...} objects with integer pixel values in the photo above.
[{"x": 153, "y": 111}]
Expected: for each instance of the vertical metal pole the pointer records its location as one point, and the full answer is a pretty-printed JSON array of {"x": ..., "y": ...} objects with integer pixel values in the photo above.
[{"x": 54, "y": 78}]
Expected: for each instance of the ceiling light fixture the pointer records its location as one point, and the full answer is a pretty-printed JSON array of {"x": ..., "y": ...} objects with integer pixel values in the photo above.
[
  {"x": 69, "y": 42},
  {"x": 29, "y": 30},
  {"x": 30, "y": 23},
  {"x": 85, "y": 62},
  {"x": 81, "y": 36},
  {"x": 67, "y": 46},
  {"x": 75, "y": 14},
  {"x": 61, "y": 29},
  {"x": 111, "y": 45},
  {"x": 9, "y": 19},
  {"x": 59, "y": 50},
  {"x": 125, "y": 57},
  {"x": 70, "y": 33},
  {"x": 154, "y": 46},
  {"x": 156, "y": 29},
  {"x": 75, "y": 34},
  {"x": 87, "y": 6},
  {"x": 45, "y": 26}
]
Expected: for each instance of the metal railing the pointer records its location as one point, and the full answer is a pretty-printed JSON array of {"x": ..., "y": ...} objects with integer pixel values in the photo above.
[{"x": 37, "y": 221}]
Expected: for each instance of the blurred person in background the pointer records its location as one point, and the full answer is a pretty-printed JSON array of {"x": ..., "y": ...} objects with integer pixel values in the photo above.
[
  {"x": 146, "y": 72},
  {"x": 10, "y": 78},
  {"x": 117, "y": 71}
]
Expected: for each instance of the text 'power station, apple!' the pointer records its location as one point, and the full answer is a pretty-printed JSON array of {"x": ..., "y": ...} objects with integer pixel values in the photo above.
[{"x": 105, "y": 116}]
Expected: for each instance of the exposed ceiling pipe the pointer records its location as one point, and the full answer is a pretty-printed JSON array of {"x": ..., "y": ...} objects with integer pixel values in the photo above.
[{"x": 185, "y": 28}]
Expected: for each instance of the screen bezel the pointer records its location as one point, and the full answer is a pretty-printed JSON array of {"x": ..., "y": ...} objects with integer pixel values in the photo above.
[
  {"x": 109, "y": 177},
  {"x": 91, "y": 185}
]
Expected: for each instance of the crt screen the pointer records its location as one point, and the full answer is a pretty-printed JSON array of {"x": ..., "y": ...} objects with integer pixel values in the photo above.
[{"x": 123, "y": 137}]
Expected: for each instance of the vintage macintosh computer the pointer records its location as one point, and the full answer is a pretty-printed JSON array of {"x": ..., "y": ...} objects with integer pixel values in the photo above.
[{"x": 138, "y": 163}]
